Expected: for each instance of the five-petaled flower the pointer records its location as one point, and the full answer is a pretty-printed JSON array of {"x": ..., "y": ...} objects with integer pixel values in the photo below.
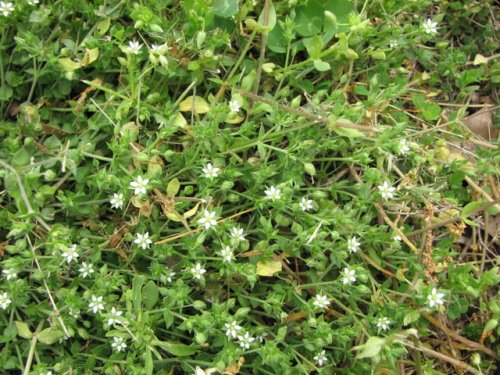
[
  {"x": 237, "y": 234},
  {"x": 70, "y": 254},
  {"x": 140, "y": 185},
  {"x": 208, "y": 219},
  {"x": 234, "y": 106},
  {"x": 134, "y": 47},
  {"x": 6, "y": 8},
  {"x": 320, "y": 358},
  {"x": 143, "y": 240},
  {"x": 245, "y": 340},
  {"x": 273, "y": 193},
  {"x": 114, "y": 316},
  {"x": 383, "y": 323},
  {"x": 198, "y": 271},
  {"x": 4, "y": 301},
  {"x": 96, "y": 304},
  {"x": 210, "y": 171},
  {"x": 10, "y": 274},
  {"x": 227, "y": 254},
  {"x": 86, "y": 269},
  {"x": 232, "y": 329},
  {"x": 429, "y": 26},
  {"x": 386, "y": 190},
  {"x": 348, "y": 276},
  {"x": 321, "y": 301},
  {"x": 435, "y": 298},
  {"x": 306, "y": 204},
  {"x": 117, "y": 200},
  {"x": 353, "y": 244},
  {"x": 118, "y": 344}
]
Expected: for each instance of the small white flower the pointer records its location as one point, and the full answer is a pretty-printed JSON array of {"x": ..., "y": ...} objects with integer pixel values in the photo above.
[
  {"x": 208, "y": 219},
  {"x": 134, "y": 47},
  {"x": 403, "y": 147},
  {"x": 273, "y": 193},
  {"x": 320, "y": 358},
  {"x": 321, "y": 301},
  {"x": 210, "y": 171},
  {"x": 70, "y": 254},
  {"x": 435, "y": 298},
  {"x": 169, "y": 275},
  {"x": 353, "y": 244},
  {"x": 306, "y": 204},
  {"x": 397, "y": 238},
  {"x": 86, "y": 269},
  {"x": 155, "y": 48},
  {"x": 10, "y": 274},
  {"x": 140, "y": 185},
  {"x": 234, "y": 106},
  {"x": 237, "y": 234},
  {"x": 118, "y": 344},
  {"x": 386, "y": 190},
  {"x": 6, "y": 8},
  {"x": 232, "y": 329},
  {"x": 143, "y": 240},
  {"x": 198, "y": 271},
  {"x": 227, "y": 254},
  {"x": 348, "y": 276},
  {"x": 33, "y": 2},
  {"x": 429, "y": 26},
  {"x": 246, "y": 340},
  {"x": 4, "y": 301},
  {"x": 383, "y": 323},
  {"x": 96, "y": 304},
  {"x": 262, "y": 336},
  {"x": 117, "y": 200},
  {"x": 114, "y": 316},
  {"x": 393, "y": 43},
  {"x": 73, "y": 313}
]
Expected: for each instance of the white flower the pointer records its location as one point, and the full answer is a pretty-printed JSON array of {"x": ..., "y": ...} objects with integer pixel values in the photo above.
[
  {"x": 353, "y": 244},
  {"x": 70, "y": 253},
  {"x": 118, "y": 344},
  {"x": 198, "y": 271},
  {"x": 386, "y": 190},
  {"x": 348, "y": 276},
  {"x": 140, "y": 185},
  {"x": 114, "y": 316},
  {"x": 306, "y": 204},
  {"x": 4, "y": 301},
  {"x": 86, "y": 269},
  {"x": 143, "y": 240},
  {"x": 429, "y": 26},
  {"x": 74, "y": 314},
  {"x": 232, "y": 329},
  {"x": 210, "y": 171},
  {"x": 237, "y": 234},
  {"x": 133, "y": 47},
  {"x": 383, "y": 323},
  {"x": 208, "y": 219},
  {"x": 34, "y": 2},
  {"x": 435, "y": 298},
  {"x": 320, "y": 358},
  {"x": 155, "y": 48},
  {"x": 397, "y": 238},
  {"x": 6, "y": 8},
  {"x": 246, "y": 340},
  {"x": 393, "y": 43},
  {"x": 227, "y": 254},
  {"x": 10, "y": 274},
  {"x": 321, "y": 301},
  {"x": 234, "y": 106},
  {"x": 403, "y": 147},
  {"x": 116, "y": 201},
  {"x": 262, "y": 336},
  {"x": 96, "y": 304},
  {"x": 273, "y": 193},
  {"x": 169, "y": 275}
]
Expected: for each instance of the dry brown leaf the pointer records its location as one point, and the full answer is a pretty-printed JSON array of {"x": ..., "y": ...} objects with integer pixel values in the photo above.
[
  {"x": 234, "y": 368},
  {"x": 482, "y": 125}
]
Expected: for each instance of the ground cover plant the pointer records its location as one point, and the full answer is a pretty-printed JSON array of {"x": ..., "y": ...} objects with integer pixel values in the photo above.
[{"x": 254, "y": 187}]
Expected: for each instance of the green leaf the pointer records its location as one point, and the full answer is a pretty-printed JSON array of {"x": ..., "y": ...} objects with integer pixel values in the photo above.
[
  {"x": 309, "y": 18},
  {"x": 195, "y": 104},
  {"x": 137, "y": 284},
  {"x": 314, "y": 46},
  {"x": 371, "y": 348},
  {"x": 150, "y": 295},
  {"x": 271, "y": 21},
  {"x": 173, "y": 188},
  {"x": 50, "y": 335},
  {"x": 226, "y": 8},
  {"x": 411, "y": 317},
  {"x": 69, "y": 65},
  {"x": 179, "y": 350},
  {"x": 90, "y": 56},
  {"x": 469, "y": 208},
  {"x": 103, "y": 26},
  {"x": 148, "y": 361},
  {"x": 310, "y": 169},
  {"x": 346, "y": 132},
  {"x": 321, "y": 66},
  {"x": 23, "y": 330}
]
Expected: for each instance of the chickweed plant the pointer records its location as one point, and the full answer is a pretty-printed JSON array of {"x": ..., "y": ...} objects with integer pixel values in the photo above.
[{"x": 255, "y": 187}]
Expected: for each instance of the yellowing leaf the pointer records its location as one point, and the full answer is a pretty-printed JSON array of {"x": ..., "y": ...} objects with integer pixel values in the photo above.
[
  {"x": 194, "y": 104},
  {"x": 480, "y": 59},
  {"x": 69, "y": 65},
  {"x": 180, "y": 121},
  {"x": 90, "y": 56},
  {"x": 234, "y": 119},
  {"x": 269, "y": 267}
]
